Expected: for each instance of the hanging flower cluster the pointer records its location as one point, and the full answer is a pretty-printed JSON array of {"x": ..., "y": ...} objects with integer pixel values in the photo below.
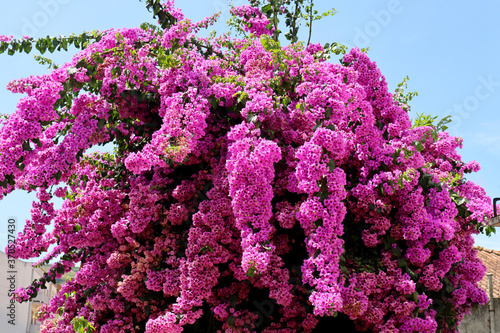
[{"x": 252, "y": 187}]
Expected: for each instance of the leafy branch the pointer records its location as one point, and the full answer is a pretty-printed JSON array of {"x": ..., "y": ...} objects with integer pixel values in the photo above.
[
  {"x": 165, "y": 19},
  {"x": 295, "y": 13},
  {"x": 49, "y": 43},
  {"x": 400, "y": 97}
]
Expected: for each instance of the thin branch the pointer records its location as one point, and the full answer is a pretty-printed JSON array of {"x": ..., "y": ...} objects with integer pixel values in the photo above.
[
  {"x": 294, "y": 27},
  {"x": 275, "y": 19},
  {"x": 310, "y": 23}
]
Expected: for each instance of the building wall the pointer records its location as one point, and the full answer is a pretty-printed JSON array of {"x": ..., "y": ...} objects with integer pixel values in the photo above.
[
  {"x": 479, "y": 320},
  {"x": 17, "y": 317}
]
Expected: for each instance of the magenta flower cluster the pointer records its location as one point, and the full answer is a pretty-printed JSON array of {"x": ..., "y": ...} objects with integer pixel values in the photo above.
[
  {"x": 253, "y": 21},
  {"x": 245, "y": 176}
]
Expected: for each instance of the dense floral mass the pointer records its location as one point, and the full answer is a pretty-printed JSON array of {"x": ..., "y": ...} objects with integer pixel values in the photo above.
[{"x": 252, "y": 188}]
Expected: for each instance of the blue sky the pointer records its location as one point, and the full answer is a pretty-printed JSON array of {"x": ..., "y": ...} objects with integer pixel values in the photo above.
[{"x": 448, "y": 49}]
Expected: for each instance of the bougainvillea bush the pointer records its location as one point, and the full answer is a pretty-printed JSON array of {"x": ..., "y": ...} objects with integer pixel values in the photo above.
[{"x": 252, "y": 187}]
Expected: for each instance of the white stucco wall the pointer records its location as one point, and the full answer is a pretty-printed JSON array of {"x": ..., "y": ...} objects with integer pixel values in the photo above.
[
  {"x": 16, "y": 317},
  {"x": 479, "y": 319}
]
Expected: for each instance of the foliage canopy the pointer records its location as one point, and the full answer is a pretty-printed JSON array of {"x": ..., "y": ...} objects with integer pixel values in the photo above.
[{"x": 252, "y": 186}]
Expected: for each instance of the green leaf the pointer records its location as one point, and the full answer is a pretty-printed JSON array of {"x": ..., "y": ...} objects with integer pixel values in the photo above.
[
  {"x": 206, "y": 248},
  {"x": 117, "y": 71},
  {"x": 20, "y": 164},
  {"x": 381, "y": 190},
  {"x": 41, "y": 46},
  {"x": 328, "y": 113},
  {"x": 12, "y": 49},
  {"x": 331, "y": 127},
  {"x": 331, "y": 165},
  {"x": 301, "y": 107},
  {"x": 233, "y": 300},
  {"x": 251, "y": 272},
  {"x": 318, "y": 125},
  {"x": 402, "y": 262},
  {"x": 50, "y": 44},
  {"x": 489, "y": 230},
  {"x": 60, "y": 269},
  {"x": 77, "y": 326},
  {"x": 267, "y": 8},
  {"x": 10, "y": 180},
  {"x": 3, "y": 47},
  {"x": 26, "y": 146},
  {"x": 64, "y": 44},
  {"x": 60, "y": 311},
  {"x": 37, "y": 142},
  {"x": 27, "y": 46},
  {"x": 101, "y": 123}
]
